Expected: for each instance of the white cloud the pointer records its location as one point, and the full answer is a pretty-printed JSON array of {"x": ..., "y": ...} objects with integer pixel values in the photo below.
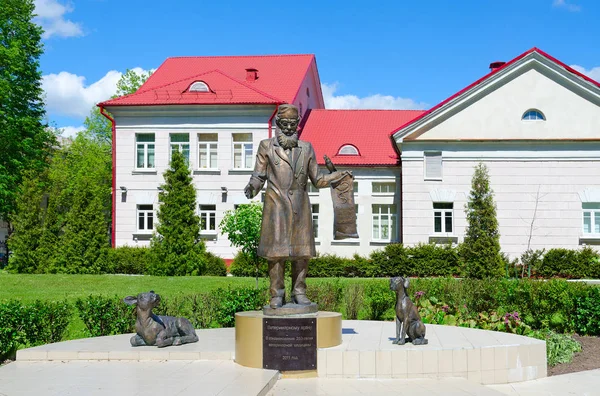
[
  {"x": 51, "y": 16},
  {"x": 67, "y": 94},
  {"x": 566, "y": 5},
  {"x": 593, "y": 73},
  {"x": 377, "y": 101},
  {"x": 71, "y": 131}
]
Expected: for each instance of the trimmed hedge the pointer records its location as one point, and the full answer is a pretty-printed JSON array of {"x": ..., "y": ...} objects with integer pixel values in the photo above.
[{"x": 41, "y": 322}]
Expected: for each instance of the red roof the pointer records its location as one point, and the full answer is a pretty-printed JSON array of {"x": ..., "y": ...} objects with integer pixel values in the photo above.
[
  {"x": 367, "y": 130},
  {"x": 497, "y": 70},
  {"x": 279, "y": 79}
]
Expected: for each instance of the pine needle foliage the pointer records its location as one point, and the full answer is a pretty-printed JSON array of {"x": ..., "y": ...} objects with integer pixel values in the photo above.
[
  {"x": 480, "y": 250},
  {"x": 176, "y": 245}
]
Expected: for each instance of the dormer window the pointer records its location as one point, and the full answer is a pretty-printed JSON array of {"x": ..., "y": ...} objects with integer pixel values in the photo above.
[
  {"x": 533, "y": 115},
  {"x": 348, "y": 149},
  {"x": 199, "y": 86}
]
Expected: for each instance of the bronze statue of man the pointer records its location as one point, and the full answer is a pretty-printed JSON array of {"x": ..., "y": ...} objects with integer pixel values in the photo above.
[{"x": 287, "y": 234}]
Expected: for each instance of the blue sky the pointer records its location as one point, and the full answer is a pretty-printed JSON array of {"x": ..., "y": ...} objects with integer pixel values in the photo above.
[{"x": 384, "y": 54}]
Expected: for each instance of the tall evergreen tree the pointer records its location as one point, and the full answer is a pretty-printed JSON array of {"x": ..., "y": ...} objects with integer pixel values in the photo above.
[
  {"x": 481, "y": 247},
  {"x": 24, "y": 137},
  {"x": 176, "y": 245}
]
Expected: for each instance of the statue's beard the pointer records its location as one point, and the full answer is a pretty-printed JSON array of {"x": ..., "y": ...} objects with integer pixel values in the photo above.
[{"x": 287, "y": 142}]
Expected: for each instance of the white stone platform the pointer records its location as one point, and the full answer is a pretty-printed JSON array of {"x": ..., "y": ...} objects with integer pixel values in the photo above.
[{"x": 484, "y": 357}]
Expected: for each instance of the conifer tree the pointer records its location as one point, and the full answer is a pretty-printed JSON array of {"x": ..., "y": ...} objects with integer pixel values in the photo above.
[
  {"x": 28, "y": 225},
  {"x": 176, "y": 245},
  {"x": 481, "y": 247}
]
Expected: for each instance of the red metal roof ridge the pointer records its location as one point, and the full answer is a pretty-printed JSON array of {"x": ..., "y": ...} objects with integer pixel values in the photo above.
[
  {"x": 236, "y": 56},
  {"x": 276, "y": 100},
  {"x": 357, "y": 110},
  {"x": 491, "y": 73},
  {"x": 139, "y": 92}
]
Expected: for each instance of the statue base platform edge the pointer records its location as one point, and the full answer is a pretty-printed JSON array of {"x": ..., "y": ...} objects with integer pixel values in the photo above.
[{"x": 291, "y": 309}]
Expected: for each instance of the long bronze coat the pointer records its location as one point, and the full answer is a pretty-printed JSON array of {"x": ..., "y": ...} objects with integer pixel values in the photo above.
[{"x": 287, "y": 218}]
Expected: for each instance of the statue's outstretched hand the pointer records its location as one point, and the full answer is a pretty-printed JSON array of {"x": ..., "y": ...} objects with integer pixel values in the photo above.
[{"x": 249, "y": 191}]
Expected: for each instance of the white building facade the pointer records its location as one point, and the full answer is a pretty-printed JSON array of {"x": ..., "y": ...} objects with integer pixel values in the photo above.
[{"x": 535, "y": 123}]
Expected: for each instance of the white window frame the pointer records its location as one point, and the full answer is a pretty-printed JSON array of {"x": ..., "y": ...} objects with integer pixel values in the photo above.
[
  {"x": 180, "y": 146},
  {"x": 312, "y": 190},
  {"x": 433, "y": 155},
  {"x": 443, "y": 212},
  {"x": 386, "y": 187},
  {"x": 592, "y": 209},
  {"x": 145, "y": 148},
  {"x": 355, "y": 187},
  {"x": 147, "y": 213},
  {"x": 199, "y": 86},
  {"x": 205, "y": 215},
  {"x": 211, "y": 146},
  {"x": 243, "y": 146},
  {"x": 348, "y": 149},
  {"x": 533, "y": 111},
  {"x": 315, "y": 220},
  {"x": 392, "y": 222}
]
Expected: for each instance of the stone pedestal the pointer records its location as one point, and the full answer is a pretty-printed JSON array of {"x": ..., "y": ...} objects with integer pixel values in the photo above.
[{"x": 286, "y": 343}]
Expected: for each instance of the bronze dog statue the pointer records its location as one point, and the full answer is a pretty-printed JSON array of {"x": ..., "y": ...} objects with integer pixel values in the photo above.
[
  {"x": 157, "y": 330},
  {"x": 408, "y": 320}
]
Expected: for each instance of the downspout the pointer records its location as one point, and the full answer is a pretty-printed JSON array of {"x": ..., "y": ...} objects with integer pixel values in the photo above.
[
  {"x": 271, "y": 120},
  {"x": 401, "y": 222},
  {"x": 114, "y": 170}
]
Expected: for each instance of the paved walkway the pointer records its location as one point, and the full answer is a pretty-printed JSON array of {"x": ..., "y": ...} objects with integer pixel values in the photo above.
[
  {"x": 223, "y": 378},
  {"x": 131, "y": 378}
]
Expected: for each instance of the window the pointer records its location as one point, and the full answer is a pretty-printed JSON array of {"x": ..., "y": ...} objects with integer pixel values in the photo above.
[
  {"x": 208, "y": 218},
  {"x": 145, "y": 215},
  {"x": 387, "y": 188},
  {"x": 533, "y": 115},
  {"x": 312, "y": 190},
  {"x": 144, "y": 146},
  {"x": 315, "y": 220},
  {"x": 348, "y": 149},
  {"x": 242, "y": 150},
  {"x": 199, "y": 86},
  {"x": 207, "y": 150},
  {"x": 442, "y": 217},
  {"x": 181, "y": 142},
  {"x": 355, "y": 187},
  {"x": 384, "y": 223},
  {"x": 433, "y": 165},
  {"x": 591, "y": 218}
]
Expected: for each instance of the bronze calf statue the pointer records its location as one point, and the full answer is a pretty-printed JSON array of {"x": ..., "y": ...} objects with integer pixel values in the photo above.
[
  {"x": 408, "y": 320},
  {"x": 157, "y": 330}
]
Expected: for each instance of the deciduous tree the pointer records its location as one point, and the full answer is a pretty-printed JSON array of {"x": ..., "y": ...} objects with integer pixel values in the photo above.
[
  {"x": 242, "y": 227},
  {"x": 25, "y": 139}
]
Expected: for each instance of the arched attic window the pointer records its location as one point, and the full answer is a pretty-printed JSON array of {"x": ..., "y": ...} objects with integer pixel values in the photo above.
[
  {"x": 533, "y": 115},
  {"x": 348, "y": 149},
  {"x": 199, "y": 86}
]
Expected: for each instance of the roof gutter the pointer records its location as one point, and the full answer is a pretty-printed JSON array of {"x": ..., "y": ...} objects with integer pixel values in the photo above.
[{"x": 114, "y": 170}]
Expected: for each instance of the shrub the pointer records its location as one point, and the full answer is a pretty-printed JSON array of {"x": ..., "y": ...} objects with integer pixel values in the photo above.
[
  {"x": 104, "y": 316},
  {"x": 353, "y": 300},
  {"x": 200, "y": 309},
  {"x": 530, "y": 261},
  {"x": 587, "y": 312},
  {"x": 558, "y": 262},
  {"x": 31, "y": 324},
  {"x": 215, "y": 265},
  {"x": 380, "y": 299},
  {"x": 243, "y": 265},
  {"x": 327, "y": 295},
  {"x": 328, "y": 266},
  {"x": 391, "y": 261},
  {"x": 432, "y": 260},
  {"x": 238, "y": 300},
  {"x": 125, "y": 260}
]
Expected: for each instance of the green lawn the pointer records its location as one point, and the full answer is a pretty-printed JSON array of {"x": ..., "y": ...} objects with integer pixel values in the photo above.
[
  {"x": 27, "y": 288},
  {"x": 60, "y": 287}
]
